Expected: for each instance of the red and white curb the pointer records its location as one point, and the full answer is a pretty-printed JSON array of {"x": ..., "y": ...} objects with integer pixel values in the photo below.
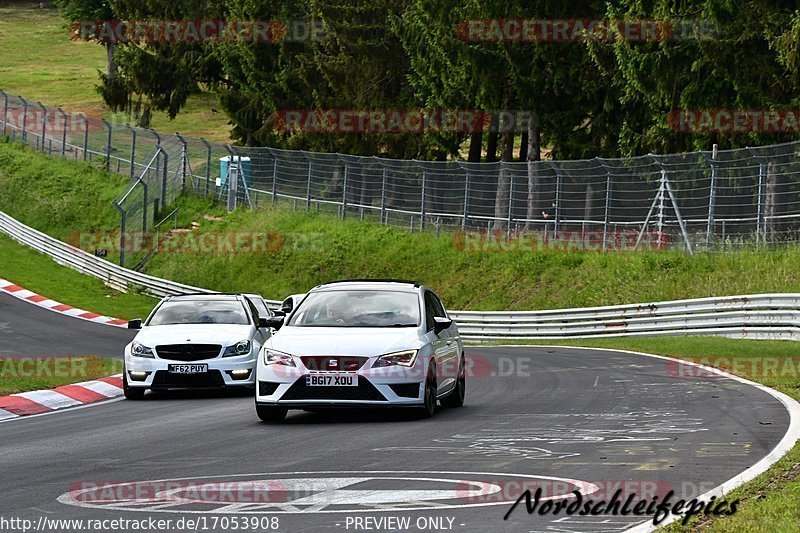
[
  {"x": 31, "y": 297},
  {"x": 44, "y": 401}
]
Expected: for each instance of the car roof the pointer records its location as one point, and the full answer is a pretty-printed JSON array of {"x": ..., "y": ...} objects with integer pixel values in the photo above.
[
  {"x": 369, "y": 284},
  {"x": 252, "y": 295},
  {"x": 204, "y": 297}
]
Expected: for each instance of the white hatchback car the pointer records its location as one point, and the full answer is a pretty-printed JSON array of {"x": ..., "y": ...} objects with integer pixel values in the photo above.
[
  {"x": 362, "y": 343},
  {"x": 195, "y": 341}
]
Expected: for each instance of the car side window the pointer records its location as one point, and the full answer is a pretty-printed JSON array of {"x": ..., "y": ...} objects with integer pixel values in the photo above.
[
  {"x": 252, "y": 309},
  {"x": 430, "y": 311},
  {"x": 438, "y": 306}
]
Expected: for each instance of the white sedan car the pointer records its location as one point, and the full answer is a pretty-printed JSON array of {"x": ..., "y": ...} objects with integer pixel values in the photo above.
[
  {"x": 195, "y": 341},
  {"x": 362, "y": 343}
]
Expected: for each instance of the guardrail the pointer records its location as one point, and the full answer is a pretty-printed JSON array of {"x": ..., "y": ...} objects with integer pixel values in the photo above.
[
  {"x": 115, "y": 276},
  {"x": 758, "y": 316}
]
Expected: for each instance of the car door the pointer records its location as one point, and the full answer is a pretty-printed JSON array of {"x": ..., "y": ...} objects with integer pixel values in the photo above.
[
  {"x": 438, "y": 343},
  {"x": 450, "y": 338}
]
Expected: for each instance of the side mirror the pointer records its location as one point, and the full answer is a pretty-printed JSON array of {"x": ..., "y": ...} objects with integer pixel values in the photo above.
[
  {"x": 286, "y": 309},
  {"x": 279, "y": 312},
  {"x": 136, "y": 323},
  {"x": 263, "y": 322},
  {"x": 275, "y": 322},
  {"x": 441, "y": 324}
]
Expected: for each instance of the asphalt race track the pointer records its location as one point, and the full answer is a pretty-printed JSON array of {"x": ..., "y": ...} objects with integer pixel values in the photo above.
[
  {"x": 31, "y": 331},
  {"x": 556, "y": 418}
]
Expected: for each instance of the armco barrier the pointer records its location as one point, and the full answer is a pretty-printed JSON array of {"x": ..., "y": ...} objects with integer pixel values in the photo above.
[
  {"x": 759, "y": 316},
  {"x": 112, "y": 275}
]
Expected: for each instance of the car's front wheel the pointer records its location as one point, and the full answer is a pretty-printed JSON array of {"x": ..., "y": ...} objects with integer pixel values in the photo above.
[
  {"x": 131, "y": 393},
  {"x": 456, "y": 397},
  {"x": 429, "y": 407},
  {"x": 270, "y": 414}
]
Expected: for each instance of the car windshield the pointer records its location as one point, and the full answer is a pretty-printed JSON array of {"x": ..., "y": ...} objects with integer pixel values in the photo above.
[
  {"x": 358, "y": 309},
  {"x": 200, "y": 312}
]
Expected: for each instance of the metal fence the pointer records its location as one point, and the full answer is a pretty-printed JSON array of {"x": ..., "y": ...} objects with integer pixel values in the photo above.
[{"x": 700, "y": 201}]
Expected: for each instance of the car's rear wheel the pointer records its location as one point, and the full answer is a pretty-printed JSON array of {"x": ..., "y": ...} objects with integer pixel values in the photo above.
[
  {"x": 271, "y": 414},
  {"x": 131, "y": 393},
  {"x": 429, "y": 407},
  {"x": 456, "y": 397}
]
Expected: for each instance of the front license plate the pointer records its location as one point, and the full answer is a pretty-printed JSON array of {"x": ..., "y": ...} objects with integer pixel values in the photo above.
[
  {"x": 332, "y": 380},
  {"x": 187, "y": 369}
]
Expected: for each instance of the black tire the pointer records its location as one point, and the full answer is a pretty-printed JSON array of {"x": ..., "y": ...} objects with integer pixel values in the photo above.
[
  {"x": 456, "y": 397},
  {"x": 271, "y": 414},
  {"x": 429, "y": 407},
  {"x": 131, "y": 393}
]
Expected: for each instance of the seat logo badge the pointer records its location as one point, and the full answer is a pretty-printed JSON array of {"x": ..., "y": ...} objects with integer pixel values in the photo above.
[{"x": 333, "y": 362}]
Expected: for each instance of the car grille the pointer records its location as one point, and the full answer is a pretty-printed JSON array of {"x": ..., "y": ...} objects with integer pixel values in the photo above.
[
  {"x": 334, "y": 363},
  {"x": 188, "y": 352},
  {"x": 406, "y": 390},
  {"x": 266, "y": 388},
  {"x": 365, "y": 391},
  {"x": 165, "y": 380}
]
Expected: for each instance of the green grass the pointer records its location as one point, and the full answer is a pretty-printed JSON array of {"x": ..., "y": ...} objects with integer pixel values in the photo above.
[
  {"x": 66, "y": 199},
  {"x": 41, "y": 62},
  {"x": 27, "y": 374},
  {"x": 311, "y": 249},
  {"x": 42, "y": 275}
]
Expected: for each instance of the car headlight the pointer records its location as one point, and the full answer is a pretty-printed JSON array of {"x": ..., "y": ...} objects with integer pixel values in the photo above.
[
  {"x": 404, "y": 358},
  {"x": 140, "y": 350},
  {"x": 273, "y": 357},
  {"x": 240, "y": 348}
]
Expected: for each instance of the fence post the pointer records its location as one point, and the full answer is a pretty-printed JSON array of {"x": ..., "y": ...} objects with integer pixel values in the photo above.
[
  {"x": 63, "y": 134},
  {"x": 164, "y": 175},
  {"x": 274, "y": 179},
  {"x": 5, "y": 112},
  {"x": 184, "y": 155},
  {"x": 712, "y": 196},
  {"x": 383, "y": 197},
  {"x": 108, "y": 146},
  {"x": 208, "y": 162},
  {"x": 44, "y": 127},
  {"x": 344, "y": 191},
  {"x": 133, "y": 150},
  {"x": 557, "y": 207},
  {"x": 466, "y": 199},
  {"x": 232, "y": 179},
  {"x": 121, "y": 234},
  {"x": 607, "y": 212},
  {"x": 24, "y": 120},
  {"x": 422, "y": 203},
  {"x": 85, "y": 138},
  {"x": 760, "y": 222},
  {"x": 510, "y": 201},
  {"x": 308, "y": 187}
]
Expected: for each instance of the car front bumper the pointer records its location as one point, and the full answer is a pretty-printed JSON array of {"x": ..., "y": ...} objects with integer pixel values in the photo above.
[
  {"x": 221, "y": 373},
  {"x": 384, "y": 387}
]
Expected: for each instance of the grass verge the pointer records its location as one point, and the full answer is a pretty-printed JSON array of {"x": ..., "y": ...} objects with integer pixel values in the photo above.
[
  {"x": 41, "y": 62},
  {"x": 28, "y": 374},
  {"x": 40, "y": 274}
]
